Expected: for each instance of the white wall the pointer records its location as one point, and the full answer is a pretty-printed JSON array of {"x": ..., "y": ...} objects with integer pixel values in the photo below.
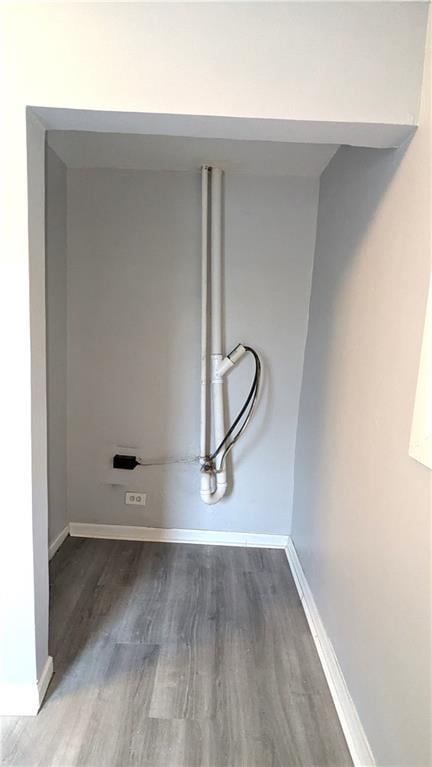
[
  {"x": 39, "y": 465},
  {"x": 56, "y": 341},
  {"x": 134, "y": 343},
  {"x": 337, "y": 62},
  {"x": 23, "y": 540},
  {"x": 73, "y": 55},
  {"x": 362, "y": 511}
]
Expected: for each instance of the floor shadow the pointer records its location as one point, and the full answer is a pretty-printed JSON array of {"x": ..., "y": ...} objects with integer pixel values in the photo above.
[{"x": 94, "y": 586}]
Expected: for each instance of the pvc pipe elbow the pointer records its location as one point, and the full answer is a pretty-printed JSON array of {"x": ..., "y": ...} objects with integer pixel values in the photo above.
[
  {"x": 231, "y": 359},
  {"x": 211, "y": 496},
  {"x": 225, "y": 365}
]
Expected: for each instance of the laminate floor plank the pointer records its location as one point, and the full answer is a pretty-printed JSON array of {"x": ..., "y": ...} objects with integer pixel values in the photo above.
[{"x": 177, "y": 655}]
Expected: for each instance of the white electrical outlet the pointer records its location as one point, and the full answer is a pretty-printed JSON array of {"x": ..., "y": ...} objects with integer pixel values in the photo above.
[{"x": 135, "y": 499}]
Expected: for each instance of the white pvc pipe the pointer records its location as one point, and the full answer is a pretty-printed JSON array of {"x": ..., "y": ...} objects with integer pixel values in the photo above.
[
  {"x": 204, "y": 435},
  {"x": 212, "y": 491},
  {"x": 216, "y": 261}
]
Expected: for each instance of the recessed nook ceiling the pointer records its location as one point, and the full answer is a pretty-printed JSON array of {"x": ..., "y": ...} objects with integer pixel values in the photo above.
[{"x": 85, "y": 149}]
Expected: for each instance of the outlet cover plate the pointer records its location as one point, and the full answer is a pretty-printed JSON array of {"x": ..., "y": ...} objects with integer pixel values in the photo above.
[{"x": 135, "y": 498}]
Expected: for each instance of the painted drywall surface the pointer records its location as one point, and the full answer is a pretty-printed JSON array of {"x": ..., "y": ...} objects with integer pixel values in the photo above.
[
  {"x": 138, "y": 151},
  {"x": 134, "y": 343},
  {"x": 176, "y": 62},
  {"x": 301, "y": 61},
  {"x": 17, "y": 635},
  {"x": 39, "y": 446},
  {"x": 56, "y": 341},
  {"x": 362, "y": 511},
  {"x": 221, "y": 128},
  {"x": 421, "y": 429}
]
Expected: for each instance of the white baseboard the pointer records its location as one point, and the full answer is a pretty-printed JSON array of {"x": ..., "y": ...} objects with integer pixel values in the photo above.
[
  {"x": 45, "y": 679},
  {"x": 57, "y": 542},
  {"x": 173, "y": 535},
  {"x": 25, "y": 699},
  {"x": 351, "y": 725}
]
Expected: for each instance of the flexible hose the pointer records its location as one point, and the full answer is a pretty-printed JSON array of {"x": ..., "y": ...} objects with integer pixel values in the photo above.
[{"x": 247, "y": 410}]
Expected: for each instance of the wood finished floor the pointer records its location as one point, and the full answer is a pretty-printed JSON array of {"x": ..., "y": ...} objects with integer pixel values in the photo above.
[{"x": 177, "y": 655}]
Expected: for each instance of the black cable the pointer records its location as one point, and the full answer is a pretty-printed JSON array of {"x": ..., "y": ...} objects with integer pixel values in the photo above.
[
  {"x": 249, "y": 403},
  {"x": 236, "y": 421},
  {"x": 247, "y": 419}
]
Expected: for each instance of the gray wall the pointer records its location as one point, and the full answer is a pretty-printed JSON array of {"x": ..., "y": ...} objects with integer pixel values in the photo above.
[
  {"x": 56, "y": 341},
  {"x": 361, "y": 521},
  {"x": 133, "y": 341}
]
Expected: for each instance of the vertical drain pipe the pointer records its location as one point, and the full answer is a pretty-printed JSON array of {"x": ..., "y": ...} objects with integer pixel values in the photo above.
[
  {"x": 216, "y": 326},
  {"x": 214, "y": 485},
  {"x": 204, "y": 436}
]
